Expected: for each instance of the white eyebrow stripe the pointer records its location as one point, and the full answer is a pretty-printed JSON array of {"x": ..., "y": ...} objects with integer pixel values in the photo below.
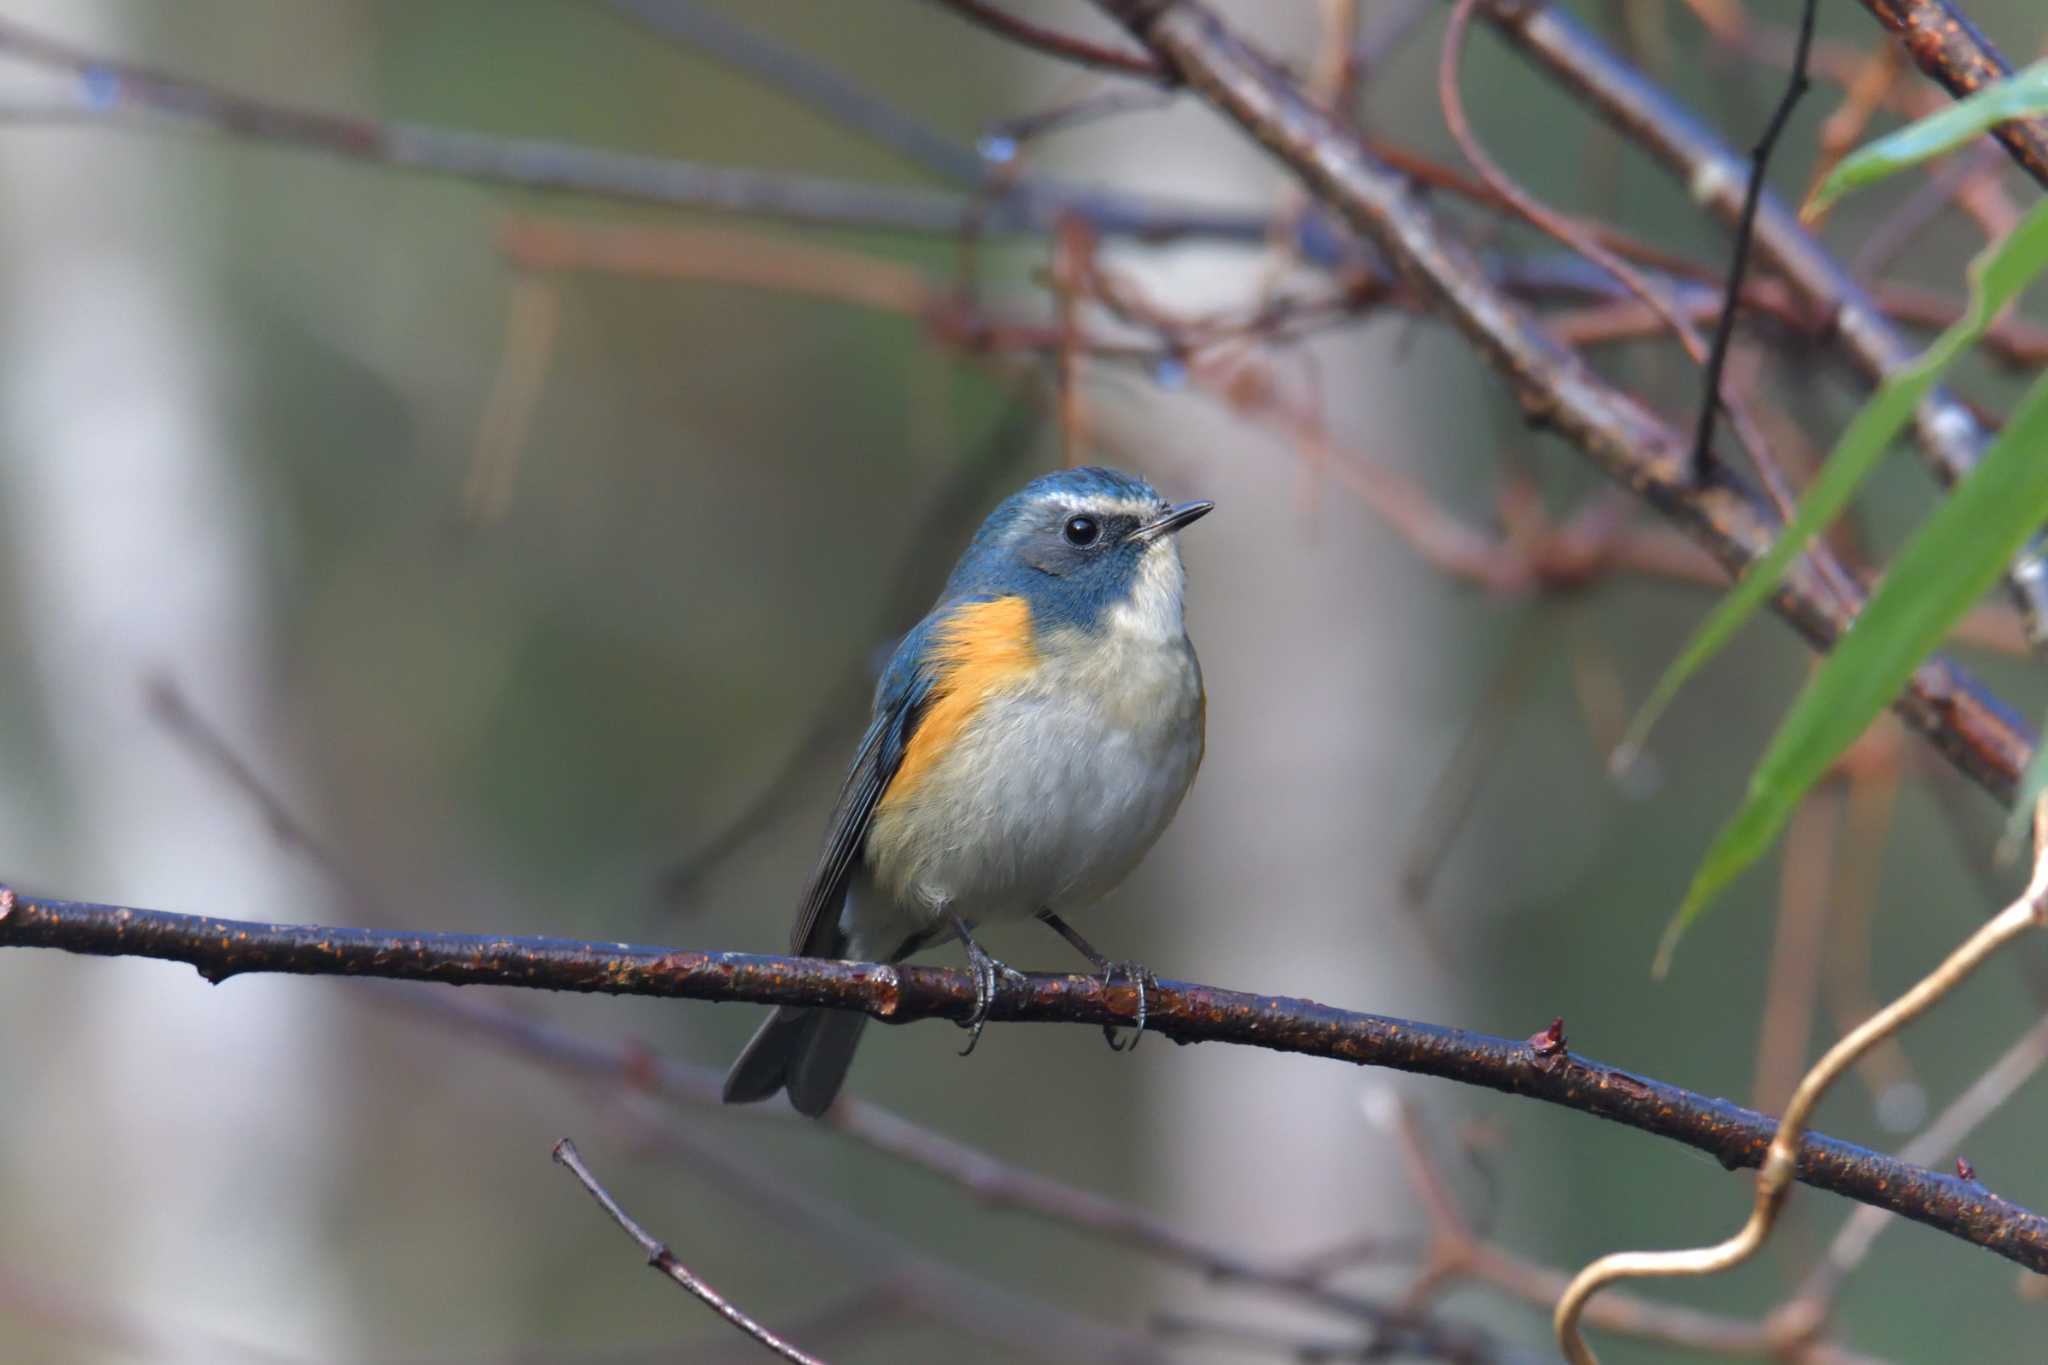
[{"x": 1142, "y": 508}]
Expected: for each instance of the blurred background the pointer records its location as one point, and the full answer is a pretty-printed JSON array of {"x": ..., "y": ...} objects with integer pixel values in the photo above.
[{"x": 389, "y": 548}]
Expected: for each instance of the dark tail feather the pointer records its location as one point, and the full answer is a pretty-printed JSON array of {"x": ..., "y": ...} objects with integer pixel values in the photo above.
[{"x": 800, "y": 1049}]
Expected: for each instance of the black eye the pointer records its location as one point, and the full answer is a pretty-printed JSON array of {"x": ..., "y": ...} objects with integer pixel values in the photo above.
[{"x": 1082, "y": 530}]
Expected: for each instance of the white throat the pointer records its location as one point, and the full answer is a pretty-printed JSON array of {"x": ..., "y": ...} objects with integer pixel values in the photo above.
[{"x": 1152, "y": 613}]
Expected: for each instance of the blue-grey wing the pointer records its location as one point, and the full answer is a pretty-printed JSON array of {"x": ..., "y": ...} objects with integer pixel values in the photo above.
[{"x": 899, "y": 704}]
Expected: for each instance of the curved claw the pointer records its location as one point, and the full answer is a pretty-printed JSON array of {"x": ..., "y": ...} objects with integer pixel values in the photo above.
[
  {"x": 988, "y": 971},
  {"x": 1140, "y": 977}
]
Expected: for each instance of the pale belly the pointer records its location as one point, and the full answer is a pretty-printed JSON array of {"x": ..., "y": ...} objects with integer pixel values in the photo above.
[{"x": 1052, "y": 798}]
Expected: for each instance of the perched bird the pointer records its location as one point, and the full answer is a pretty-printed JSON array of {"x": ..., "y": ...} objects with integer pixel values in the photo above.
[{"x": 1031, "y": 738}]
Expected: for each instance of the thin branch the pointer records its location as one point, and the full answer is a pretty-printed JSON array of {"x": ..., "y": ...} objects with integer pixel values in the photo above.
[
  {"x": 112, "y": 92},
  {"x": 1941, "y": 1139},
  {"x": 662, "y": 1259},
  {"x": 1053, "y": 43},
  {"x": 1775, "y": 1179},
  {"x": 1185, "y": 1012},
  {"x": 1947, "y": 47},
  {"x": 808, "y": 83},
  {"x": 1745, "y": 229}
]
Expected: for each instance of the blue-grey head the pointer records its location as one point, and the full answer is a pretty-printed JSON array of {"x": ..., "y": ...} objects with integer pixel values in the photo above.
[{"x": 1089, "y": 548}]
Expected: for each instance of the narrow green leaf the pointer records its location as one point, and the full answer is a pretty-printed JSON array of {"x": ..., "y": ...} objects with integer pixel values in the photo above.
[
  {"x": 1946, "y": 566},
  {"x": 1996, "y": 276},
  {"x": 2023, "y": 94}
]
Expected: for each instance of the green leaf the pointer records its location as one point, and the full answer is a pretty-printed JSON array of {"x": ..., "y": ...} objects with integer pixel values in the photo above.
[
  {"x": 1954, "y": 556},
  {"x": 2023, "y": 94},
  {"x": 1996, "y": 276}
]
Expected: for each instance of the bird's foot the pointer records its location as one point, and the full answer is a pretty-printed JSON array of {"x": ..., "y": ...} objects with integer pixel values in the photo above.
[
  {"x": 1140, "y": 976},
  {"x": 989, "y": 973}
]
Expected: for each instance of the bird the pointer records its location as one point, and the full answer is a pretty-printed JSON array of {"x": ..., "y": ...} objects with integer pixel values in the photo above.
[{"x": 1030, "y": 740}]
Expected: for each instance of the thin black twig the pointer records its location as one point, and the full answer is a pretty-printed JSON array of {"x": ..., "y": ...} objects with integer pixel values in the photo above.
[
  {"x": 1745, "y": 228},
  {"x": 664, "y": 1260}
]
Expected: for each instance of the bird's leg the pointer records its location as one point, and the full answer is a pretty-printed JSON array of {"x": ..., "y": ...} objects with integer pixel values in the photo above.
[
  {"x": 987, "y": 970},
  {"x": 1139, "y": 975}
]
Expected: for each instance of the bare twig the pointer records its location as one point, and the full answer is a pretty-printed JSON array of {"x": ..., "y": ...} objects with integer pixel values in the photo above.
[
  {"x": 1745, "y": 230},
  {"x": 115, "y": 92},
  {"x": 664, "y": 1260},
  {"x": 736, "y": 47},
  {"x": 993, "y": 17}
]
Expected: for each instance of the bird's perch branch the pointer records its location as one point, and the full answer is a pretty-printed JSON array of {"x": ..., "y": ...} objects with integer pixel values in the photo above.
[{"x": 1182, "y": 1011}]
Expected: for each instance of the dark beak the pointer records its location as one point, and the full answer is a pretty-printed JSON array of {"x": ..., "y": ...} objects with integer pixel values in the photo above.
[{"x": 1184, "y": 515}]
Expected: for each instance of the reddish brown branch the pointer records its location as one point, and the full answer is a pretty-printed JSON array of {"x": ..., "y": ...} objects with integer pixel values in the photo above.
[
  {"x": 1182, "y": 1011},
  {"x": 1946, "y": 46}
]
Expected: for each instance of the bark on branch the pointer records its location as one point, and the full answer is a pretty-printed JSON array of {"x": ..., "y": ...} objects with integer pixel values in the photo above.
[
  {"x": 1947, "y": 47},
  {"x": 1182, "y": 1011}
]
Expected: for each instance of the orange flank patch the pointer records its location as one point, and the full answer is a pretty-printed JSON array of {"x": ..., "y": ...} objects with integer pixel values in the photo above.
[{"x": 978, "y": 652}]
